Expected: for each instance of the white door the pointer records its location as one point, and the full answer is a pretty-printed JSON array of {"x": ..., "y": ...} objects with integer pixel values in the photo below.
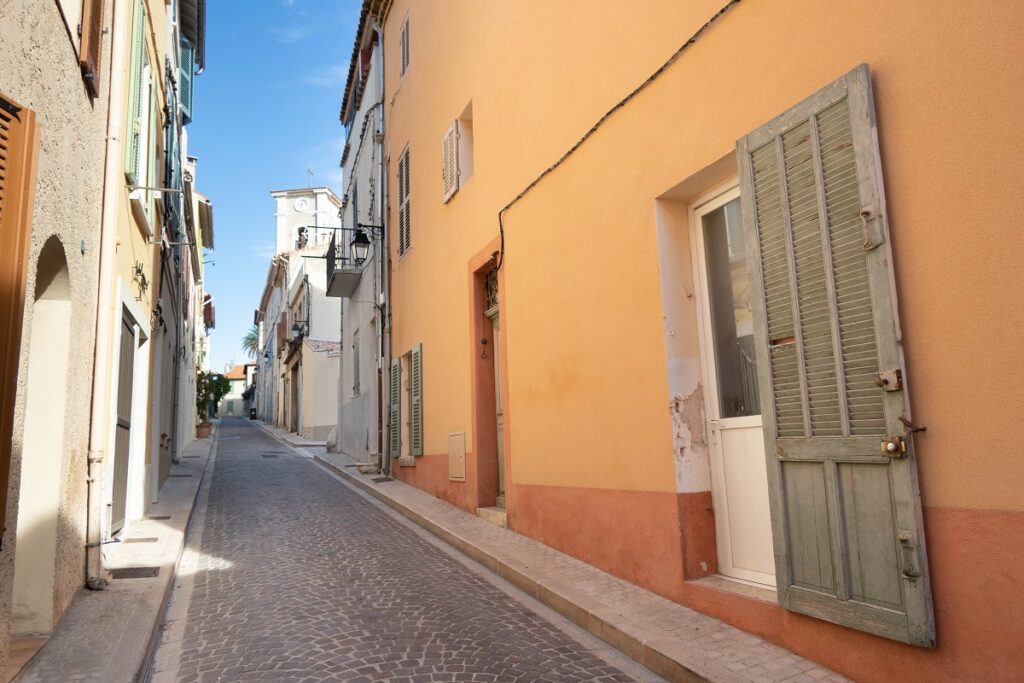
[{"x": 739, "y": 481}]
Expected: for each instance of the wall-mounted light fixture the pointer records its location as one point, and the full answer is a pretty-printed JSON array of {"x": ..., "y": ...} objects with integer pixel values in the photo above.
[{"x": 360, "y": 243}]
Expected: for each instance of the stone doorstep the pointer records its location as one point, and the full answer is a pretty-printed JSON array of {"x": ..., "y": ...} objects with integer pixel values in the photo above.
[
  {"x": 494, "y": 515},
  {"x": 658, "y": 649}
]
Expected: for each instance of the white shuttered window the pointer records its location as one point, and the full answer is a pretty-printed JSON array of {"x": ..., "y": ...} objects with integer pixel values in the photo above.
[{"x": 450, "y": 161}]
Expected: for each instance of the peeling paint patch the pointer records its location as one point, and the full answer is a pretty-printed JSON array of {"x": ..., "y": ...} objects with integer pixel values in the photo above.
[{"x": 689, "y": 442}]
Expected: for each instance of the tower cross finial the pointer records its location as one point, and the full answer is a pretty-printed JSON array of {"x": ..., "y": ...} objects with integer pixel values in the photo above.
[{"x": 309, "y": 178}]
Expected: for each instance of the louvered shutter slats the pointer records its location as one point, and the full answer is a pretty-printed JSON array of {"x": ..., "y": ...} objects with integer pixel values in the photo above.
[
  {"x": 416, "y": 400},
  {"x": 18, "y": 148},
  {"x": 185, "y": 74},
  {"x": 135, "y": 85},
  {"x": 450, "y": 161},
  {"x": 404, "y": 212},
  {"x": 404, "y": 40},
  {"x": 92, "y": 44},
  {"x": 395, "y": 408},
  {"x": 846, "y": 519}
]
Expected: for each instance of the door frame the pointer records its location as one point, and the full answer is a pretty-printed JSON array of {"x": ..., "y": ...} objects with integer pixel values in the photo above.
[{"x": 700, "y": 206}]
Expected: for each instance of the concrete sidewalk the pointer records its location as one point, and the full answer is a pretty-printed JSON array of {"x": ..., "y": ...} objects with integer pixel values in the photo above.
[
  {"x": 673, "y": 641},
  {"x": 300, "y": 443},
  {"x": 108, "y": 636}
]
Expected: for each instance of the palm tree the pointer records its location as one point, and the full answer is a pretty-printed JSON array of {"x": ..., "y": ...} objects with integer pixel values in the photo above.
[{"x": 250, "y": 341}]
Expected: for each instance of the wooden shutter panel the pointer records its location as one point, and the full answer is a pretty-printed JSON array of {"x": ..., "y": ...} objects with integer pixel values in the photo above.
[
  {"x": 185, "y": 73},
  {"x": 846, "y": 517},
  {"x": 92, "y": 44},
  {"x": 450, "y": 161},
  {"x": 416, "y": 400},
  {"x": 404, "y": 215},
  {"x": 151, "y": 143},
  {"x": 135, "y": 85},
  {"x": 19, "y": 137},
  {"x": 405, "y": 46},
  {"x": 394, "y": 420}
]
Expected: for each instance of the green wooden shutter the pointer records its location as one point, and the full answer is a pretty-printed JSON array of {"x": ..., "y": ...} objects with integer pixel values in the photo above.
[
  {"x": 151, "y": 143},
  {"x": 846, "y": 516},
  {"x": 185, "y": 73},
  {"x": 394, "y": 420},
  {"x": 133, "y": 126},
  {"x": 416, "y": 400}
]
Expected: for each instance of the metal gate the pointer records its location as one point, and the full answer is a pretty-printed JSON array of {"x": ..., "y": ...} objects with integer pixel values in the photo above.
[{"x": 122, "y": 437}]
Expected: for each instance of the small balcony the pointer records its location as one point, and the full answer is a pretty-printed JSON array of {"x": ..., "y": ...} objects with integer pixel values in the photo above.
[{"x": 343, "y": 269}]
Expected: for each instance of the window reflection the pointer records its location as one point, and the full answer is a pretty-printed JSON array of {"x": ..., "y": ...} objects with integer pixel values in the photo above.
[{"x": 731, "y": 318}]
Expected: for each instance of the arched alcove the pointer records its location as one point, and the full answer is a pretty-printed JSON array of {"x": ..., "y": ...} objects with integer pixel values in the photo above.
[{"x": 42, "y": 452}]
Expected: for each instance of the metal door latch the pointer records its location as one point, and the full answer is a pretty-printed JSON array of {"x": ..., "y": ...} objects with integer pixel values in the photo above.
[
  {"x": 894, "y": 447},
  {"x": 890, "y": 380}
]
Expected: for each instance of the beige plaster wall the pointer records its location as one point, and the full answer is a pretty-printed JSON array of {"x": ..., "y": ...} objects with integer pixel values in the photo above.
[{"x": 39, "y": 68}]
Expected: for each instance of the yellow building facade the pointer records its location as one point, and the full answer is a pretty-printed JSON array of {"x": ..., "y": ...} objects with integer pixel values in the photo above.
[{"x": 578, "y": 391}]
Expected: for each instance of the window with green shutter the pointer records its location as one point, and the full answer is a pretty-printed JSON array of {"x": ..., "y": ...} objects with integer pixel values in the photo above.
[
  {"x": 133, "y": 142},
  {"x": 416, "y": 400},
  {"x": 395, "y": 412},
  {"x": 845, "y": 505},
  {"x": 185, "y": 75}
]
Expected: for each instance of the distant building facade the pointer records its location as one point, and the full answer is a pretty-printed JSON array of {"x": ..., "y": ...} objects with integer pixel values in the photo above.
[{"x": 298, "y": 325}]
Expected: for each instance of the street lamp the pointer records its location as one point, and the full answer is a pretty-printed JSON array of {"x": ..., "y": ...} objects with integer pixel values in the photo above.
[
  {"x": 360, "y": 246},
  {"x": 297, "y": 328}
]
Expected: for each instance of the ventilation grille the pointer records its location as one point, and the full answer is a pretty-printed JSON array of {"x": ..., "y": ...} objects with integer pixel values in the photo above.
[{"x": 135, "y": 573}]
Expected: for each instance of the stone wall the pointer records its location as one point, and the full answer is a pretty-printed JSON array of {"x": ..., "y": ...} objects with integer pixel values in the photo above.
[{"x": 39, "y": 69}]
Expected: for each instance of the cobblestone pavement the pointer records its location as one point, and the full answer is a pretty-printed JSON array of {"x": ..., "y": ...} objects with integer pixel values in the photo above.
[{"x": 299, "y": 578}]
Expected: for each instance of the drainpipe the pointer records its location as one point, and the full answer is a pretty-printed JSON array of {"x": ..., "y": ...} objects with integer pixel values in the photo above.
[
  {"x": 383, "y": 309},
  {"x": 113, "y": 192}
]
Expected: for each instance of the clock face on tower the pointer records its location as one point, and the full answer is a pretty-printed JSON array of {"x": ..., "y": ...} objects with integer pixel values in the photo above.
[{"x": 300, "y": 204}]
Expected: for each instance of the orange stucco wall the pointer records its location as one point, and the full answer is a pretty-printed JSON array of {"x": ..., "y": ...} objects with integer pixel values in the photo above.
[{"x": 583, "y": 313}]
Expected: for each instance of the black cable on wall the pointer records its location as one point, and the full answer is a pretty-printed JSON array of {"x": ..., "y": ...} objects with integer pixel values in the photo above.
[{"x": 600, "y": 122}]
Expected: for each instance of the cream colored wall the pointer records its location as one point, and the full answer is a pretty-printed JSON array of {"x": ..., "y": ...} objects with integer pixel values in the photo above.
[
  {"x": 135, "y": 247},
  {"x": 318, "y": 396},
  {"x": 584, "y": 310}
]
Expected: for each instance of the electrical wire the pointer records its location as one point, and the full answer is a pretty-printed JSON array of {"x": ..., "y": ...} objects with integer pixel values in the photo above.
[{"x": 600, "y": 122}]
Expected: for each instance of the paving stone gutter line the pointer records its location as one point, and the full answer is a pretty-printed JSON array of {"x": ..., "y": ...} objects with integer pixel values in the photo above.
[
  {"x": 673, "y": 641},
  {"x": 110, "y": 636}
]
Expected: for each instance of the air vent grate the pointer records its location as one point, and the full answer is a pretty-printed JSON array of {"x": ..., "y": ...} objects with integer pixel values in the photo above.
[{"x": 135, "y": 573}]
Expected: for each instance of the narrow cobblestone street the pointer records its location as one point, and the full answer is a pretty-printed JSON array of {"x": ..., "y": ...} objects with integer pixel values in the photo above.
[{"x": 299, "y": 578}]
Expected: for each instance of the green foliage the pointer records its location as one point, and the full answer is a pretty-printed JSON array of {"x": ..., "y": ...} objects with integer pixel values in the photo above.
[
  {"x": 210, "y": 386},
  {"x": 250, "y": 342}
]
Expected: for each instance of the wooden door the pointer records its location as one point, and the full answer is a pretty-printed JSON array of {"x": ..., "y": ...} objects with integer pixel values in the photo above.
[
  {"x": 18, "y": 150},
  {"x": 846, "y": 509},
  {"x": 123, "y": 426}
]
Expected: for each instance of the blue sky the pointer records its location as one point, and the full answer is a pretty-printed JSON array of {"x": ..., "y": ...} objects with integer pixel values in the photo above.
[{"x": 266, "y": 109}]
